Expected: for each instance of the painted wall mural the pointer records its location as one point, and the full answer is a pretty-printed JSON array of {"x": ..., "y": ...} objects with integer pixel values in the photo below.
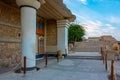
[
  {"x": 40, "y": 28},
  {"x": 40, "y": 37}
]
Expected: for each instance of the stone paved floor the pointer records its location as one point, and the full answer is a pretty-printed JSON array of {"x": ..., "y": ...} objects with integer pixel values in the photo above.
[
  {"x": 84, "y": 54},
  {"x": 67, "y": 69}
]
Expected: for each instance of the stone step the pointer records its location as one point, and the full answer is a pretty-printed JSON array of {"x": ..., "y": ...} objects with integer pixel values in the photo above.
[
  {"x": 84, "y": 57},
  {"x": 87, "y": 46},
  {"x": 86, "y": 49}
]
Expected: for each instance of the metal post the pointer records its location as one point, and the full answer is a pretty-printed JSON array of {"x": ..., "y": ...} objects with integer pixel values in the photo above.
[
  {"x": 106, "y": 66},
  {"x": 46, "y": 59},
  {"x": 101, "y": 50},
  {"x": 57, "y": 56},
  {"x": 103, "y": 58},
  {"x": 112, "y": 70},
  {"x": 102, "y": 54},
  {"x": 24, "y": 64}
]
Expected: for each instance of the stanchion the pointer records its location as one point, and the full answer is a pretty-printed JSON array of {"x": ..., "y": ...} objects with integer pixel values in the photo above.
[
  {"x": 24, "y": 65},
  {"x": 106, "y": 66},
  {"x": 46, "y": 59},
  {"x": 57, "y": 56},
  {"x": 103, "y": 57},
  {"x": 101, "y": 50},
  {"x": 112, "y": 70},
  {"x": 102, "y": 54}
]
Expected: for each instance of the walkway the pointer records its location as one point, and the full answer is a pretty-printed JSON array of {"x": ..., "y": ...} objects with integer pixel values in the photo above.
[
  {"x": 84, "y": 54},
  {"x": 66, "y": 69}
]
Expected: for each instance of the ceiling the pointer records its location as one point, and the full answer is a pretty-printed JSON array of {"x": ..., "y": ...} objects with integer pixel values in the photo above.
[{"x": 51, "y": 9}]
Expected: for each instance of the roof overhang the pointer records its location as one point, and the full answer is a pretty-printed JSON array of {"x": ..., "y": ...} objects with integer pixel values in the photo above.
[
  {"x": 51, "y": 9},
  {"x": 55, "y": 9}
]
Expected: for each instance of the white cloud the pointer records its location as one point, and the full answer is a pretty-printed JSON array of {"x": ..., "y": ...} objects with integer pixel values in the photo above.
[
  {"x": 90, "y": 25},
  {"x": 93, "y": 27},
  {"x": 83, "y": 1},
  {"x": 95, "y": 23},
  {"x": 96, "y": 28},
  {"x": 109, "y": 26},
  {"x": 114, "y": 19},
  {"x": 97, "y": 0}
]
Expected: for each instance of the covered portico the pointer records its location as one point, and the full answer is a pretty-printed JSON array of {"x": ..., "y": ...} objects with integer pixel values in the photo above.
[{"x": 56, "y": 17}]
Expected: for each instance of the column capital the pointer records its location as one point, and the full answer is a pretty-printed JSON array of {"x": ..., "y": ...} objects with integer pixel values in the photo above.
[
  {"x": 62, "y": 23},
  {"x": 32, "y": 3}
]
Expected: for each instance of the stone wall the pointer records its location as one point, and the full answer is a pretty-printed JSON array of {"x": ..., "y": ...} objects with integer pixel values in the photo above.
[
  {"x": 9, "y": 54},
  {"x": 9, "y": 15},
  {"x": 8, "y": 33},
  {"x": 108, "y": 38},
  {"x": 51, "y": 36},
  {"x": 10, "y": 48}
]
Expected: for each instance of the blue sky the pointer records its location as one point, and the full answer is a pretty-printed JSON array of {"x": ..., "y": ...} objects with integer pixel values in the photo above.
[{"x": 99, "y": 17}]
